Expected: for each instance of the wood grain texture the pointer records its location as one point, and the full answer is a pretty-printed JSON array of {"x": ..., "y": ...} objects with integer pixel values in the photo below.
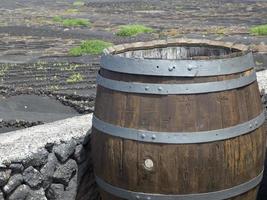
[{"x": 183, "y": 168}]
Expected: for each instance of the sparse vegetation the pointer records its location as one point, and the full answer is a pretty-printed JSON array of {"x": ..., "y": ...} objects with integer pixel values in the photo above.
[
  {"x": 133, "y": 30},
  {"x": 92, "y": 47},
  {"x": 78, "y": 3},
  {"x": 70, "y": 67},
  {"x": 179, "y": 8},
  {"x": 3, "y": 69},
  {"x": 54, "y": 87},
  {"x": 72, "y": 22},
  {"x": 74, "y": 78},
  {"x": 75, "y": 22},
  {"x": 71, "y": 11},
  {"x": 170, "y": 33},
  {"x": 219, "y": 31},
  {"x": 57, "y": 19},
  {"x": 259, "y": 30}
]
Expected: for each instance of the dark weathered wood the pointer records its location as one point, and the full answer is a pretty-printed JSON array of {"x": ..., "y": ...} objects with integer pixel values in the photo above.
[{"x": 178, "y": 169}]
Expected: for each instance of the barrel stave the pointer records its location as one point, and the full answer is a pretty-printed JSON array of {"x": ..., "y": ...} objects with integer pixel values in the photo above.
[{"x": 172, "y": 112}]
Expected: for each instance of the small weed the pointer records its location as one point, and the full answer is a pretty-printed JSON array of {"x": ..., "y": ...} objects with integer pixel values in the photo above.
[
  {"x": 74, "y": 78},
  {"x": 179, "y": 8},
  {"x": 54, "y": 87},
  {"x": 259, "y": 30},
  {"x": 70, "y": 67},
  {"x": 92, "y": 47},
  {"x": 57, "y": 19},
  {"x": 71, "y": 11},
  {"x": 171, "y": 32},
  {"x": 220, "y": 31},
  {"x": 258, "y": 63},
  {"x": 72, "y": 22},
  {"x": 3, "y": 70},
  {"x": 75, "y": 22},
  {"x": 78, "y": 3},
  {"x": 133, "y": 30}
]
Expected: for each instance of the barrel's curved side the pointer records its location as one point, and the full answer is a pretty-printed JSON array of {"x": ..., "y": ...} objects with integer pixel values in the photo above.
[
  {"x": 178, "y": 168},
  {"x": 121, "y": 162}
]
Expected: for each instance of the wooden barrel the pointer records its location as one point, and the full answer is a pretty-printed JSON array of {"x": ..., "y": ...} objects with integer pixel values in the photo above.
[{"x": 178, "y": 120}]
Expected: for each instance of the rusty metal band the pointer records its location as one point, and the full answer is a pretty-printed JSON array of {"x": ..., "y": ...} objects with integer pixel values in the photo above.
[
  {"x": 217, "y": 195},
  {"x": 179, "y": 68},
  {"x": 166, "y": 89},
  {"x": 179, "y": 137}
]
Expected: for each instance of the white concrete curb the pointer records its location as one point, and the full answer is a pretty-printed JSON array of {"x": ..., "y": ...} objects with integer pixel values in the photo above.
[{"x": 22, "y": 143}]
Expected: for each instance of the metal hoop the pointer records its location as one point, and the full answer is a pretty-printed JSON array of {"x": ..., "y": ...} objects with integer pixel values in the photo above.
[
  {"x": 179, "y": 137},
  {"x": 179, "y": 68},
  {"x": 165, "y": 89},
  {"x": 217, "y": 195}
]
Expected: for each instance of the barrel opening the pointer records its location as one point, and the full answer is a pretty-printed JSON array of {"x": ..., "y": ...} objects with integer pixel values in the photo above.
[{"x": 182, "y": 52}]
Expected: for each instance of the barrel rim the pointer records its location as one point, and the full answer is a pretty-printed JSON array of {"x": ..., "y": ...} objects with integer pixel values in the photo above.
[
  {"x": 232, "y": 63},
  {"x": 121, "y": 48}
]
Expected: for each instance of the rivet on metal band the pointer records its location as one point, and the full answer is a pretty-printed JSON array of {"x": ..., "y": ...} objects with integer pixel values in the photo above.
[
  {"x": 165, "y": 89},
  {"x": 179, "y": 137},
  {"x": 217, "y": 195},
  {"x": 179, "y": 68}
]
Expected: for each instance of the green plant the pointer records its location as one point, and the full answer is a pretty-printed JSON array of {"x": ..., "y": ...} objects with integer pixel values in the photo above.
[
  {"x": 71, "y": 22},
  {"x": 57, "y": 19},
  {"x": 89, "y": 47},
  {"x": 259, "y": 30},
  {"x": 78, "y": 3},
  {"x": 71, "y": 11},
  {"x": 75, "y": 22},
  {"x": 179, "y": 8},
  {"x": 54, "y": 87},
  {"x": 74, "y": 78},
  {"x": 133, "y": 30},
  {"x": 3, "y": 69}
]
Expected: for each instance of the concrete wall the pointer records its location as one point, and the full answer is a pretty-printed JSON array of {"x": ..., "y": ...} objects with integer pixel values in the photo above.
[{"x": 50, "y": 161}]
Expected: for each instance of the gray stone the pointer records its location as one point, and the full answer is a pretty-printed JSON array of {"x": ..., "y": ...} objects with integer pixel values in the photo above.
[
  {"x": 4, "y": 176},
  {"x": 20, "y": 193},
  {"x": 79, "y": 154},
  {"x": 71, "y": 189},
  {"x": 65, "y": 171},
  {"x": 13, "y": 183},
  {"x": 16, "y": 167},
  {"x": 87, "y": 137},
  {"x": 36, "y": 159},
  {"x": 1, "y": 195},
  {"x": 79, "y": 140},
  {"x": 65, "y": 150},
  {"x": 49, "y": 147},
  {"x": 32, "y": 177},
  {"x": 2, "y": 166},
  {"x": 55, "y": 192},
  {"x": 37, "y": 194},
  {"x": 48, "y": 169}
]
